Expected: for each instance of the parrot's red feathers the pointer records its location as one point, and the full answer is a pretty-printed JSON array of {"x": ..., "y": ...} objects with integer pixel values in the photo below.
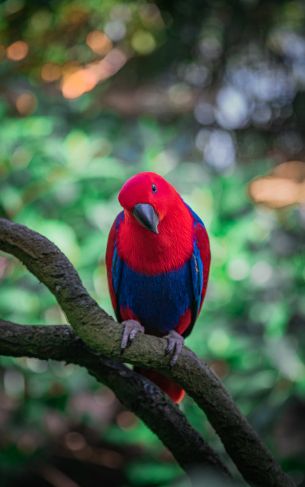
[
  {"x": 173, "y": 390},
  {"x": 184, "y": 322}
]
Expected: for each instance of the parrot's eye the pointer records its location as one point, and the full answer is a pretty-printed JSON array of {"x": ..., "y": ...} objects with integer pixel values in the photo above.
[{"x": 154, "y": 188}]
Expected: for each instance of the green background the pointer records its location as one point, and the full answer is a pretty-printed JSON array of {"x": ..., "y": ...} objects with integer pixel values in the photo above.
[{"x": 211, "y": 97}]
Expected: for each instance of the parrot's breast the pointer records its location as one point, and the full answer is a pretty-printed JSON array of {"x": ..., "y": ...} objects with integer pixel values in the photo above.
[{"x": 157, "y": 301}]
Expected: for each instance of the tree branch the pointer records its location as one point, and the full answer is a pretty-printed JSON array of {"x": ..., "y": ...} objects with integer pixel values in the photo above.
[
  {"x": 138, "y": 394},
  {"x": 101, "y": 333}
]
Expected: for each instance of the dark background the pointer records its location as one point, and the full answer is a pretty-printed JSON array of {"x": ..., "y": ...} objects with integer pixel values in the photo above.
[{"x": 210, "y": 95}]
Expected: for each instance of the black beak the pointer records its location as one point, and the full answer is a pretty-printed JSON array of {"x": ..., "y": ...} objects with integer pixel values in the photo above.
[{"x": 146, "y": 215}]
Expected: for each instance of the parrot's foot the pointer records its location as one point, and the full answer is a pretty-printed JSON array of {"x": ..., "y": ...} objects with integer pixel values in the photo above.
[
  {"x": 175, "y": 344},
  {"x": 131, "y": 329}
]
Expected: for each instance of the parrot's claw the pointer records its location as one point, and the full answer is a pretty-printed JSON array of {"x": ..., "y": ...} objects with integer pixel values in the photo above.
[
  {"x": 175, "y": 344},
  {"x": 131, "y": 329}
]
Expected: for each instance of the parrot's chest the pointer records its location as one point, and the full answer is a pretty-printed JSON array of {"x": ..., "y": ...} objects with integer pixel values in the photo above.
[{"x": 157, "y": 301}]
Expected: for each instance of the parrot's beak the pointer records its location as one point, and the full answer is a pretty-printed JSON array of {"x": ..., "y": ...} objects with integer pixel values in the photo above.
[{"x": 146, "y": 216}]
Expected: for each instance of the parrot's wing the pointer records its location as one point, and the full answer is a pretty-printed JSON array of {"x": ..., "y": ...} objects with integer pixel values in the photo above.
[
  {"x": 114, "y": 265},
  {"x": 199, "y": 266}
]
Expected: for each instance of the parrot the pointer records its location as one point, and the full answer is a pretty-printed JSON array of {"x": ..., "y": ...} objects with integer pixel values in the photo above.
[{"x": 158, "y": 261}]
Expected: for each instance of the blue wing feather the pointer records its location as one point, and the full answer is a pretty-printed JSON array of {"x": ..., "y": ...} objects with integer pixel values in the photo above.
[
  {"x": 196, "y": 218},
  {"x": 197, "y": 266},
  {"x": 117, "y": 267},
  {"x": 197, "y": 278}
]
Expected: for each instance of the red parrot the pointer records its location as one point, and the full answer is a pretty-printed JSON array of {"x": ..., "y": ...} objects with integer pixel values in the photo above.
[{"x": 158, "y": 260}]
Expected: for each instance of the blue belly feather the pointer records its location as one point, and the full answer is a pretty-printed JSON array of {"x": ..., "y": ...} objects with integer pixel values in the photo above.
[{"x": 157, "y": 301}]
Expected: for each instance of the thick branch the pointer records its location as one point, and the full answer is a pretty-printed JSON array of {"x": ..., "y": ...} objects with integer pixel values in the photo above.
[
  {"x": 102, "y": 333},
  {"x": 58, "y": 342}
]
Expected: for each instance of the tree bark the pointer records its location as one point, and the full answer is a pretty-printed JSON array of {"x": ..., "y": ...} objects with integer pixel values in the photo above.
[{"x": 101, "y": 333}]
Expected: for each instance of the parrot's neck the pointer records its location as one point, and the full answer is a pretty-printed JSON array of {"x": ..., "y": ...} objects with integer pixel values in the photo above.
[{"x": 150, "y": 253}]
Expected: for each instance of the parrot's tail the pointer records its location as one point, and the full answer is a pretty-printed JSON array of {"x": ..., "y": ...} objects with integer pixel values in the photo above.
[{"x": 173, "y": 390}]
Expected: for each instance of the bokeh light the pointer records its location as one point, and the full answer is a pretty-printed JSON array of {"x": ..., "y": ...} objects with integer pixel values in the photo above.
[
  {"x": 285, "y": 186},
  {"x": 17, "y": 51},
  {"x": 143, "y": 42},
  {"x": 99, "y": 42},
  {"x": 78, "y": 81},
  {"x": 26, "y": 103},
  {"x": 50, "y": 72}
]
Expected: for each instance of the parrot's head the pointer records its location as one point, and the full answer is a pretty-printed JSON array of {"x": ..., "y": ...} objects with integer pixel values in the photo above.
[{"x": 147, "y": 197}]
